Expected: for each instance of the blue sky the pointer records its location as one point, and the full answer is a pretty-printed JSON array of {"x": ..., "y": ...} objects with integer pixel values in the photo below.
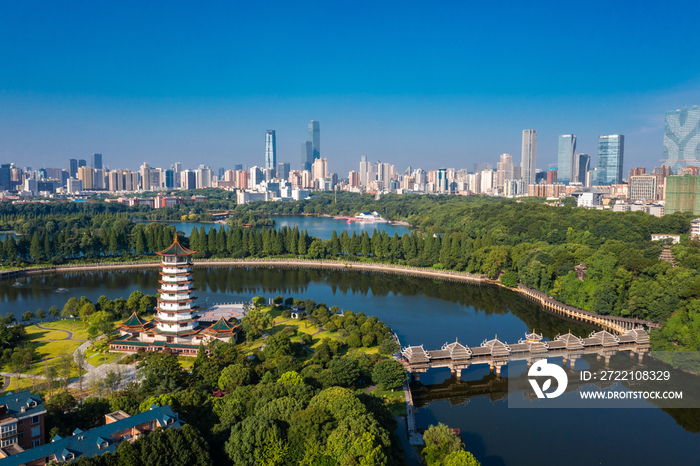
[{"x": 410, "y": 83}]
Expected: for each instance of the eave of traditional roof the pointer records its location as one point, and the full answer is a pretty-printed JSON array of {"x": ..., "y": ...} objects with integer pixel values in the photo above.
[
  {"x": 176, "y": 249},
  {"x": 134, "y": 321}
]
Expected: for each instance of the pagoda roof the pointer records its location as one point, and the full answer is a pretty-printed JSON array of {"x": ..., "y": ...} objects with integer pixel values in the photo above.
[
  {"x": 134, "y": 321},
  {"x": 221, "y": 326},
  {"x": 176, "y": 249}
]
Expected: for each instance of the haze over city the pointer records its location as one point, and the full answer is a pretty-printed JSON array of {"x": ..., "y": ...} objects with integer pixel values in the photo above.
[{"x": 401, "y": 85}]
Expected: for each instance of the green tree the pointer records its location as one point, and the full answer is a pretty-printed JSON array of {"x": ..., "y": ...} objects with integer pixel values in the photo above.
[
  {"x": 291, "y": 378},
  {"x": 390, "y": 374},
  {"x": 71, "y": 308},
  {"x": 345, "y": 371},
  {"x": 27, "y": 316},
  {"x": 40, "y": 314},
  {"x": 35, "y": 250},
  {"x": 234, "y": 376},
  {"x": 440, "y": 441},
  {"x": 54, "y": 311}
]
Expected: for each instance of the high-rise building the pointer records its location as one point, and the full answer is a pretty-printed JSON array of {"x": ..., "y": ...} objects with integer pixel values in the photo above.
[
  {"x": 188, "y": 179},
  {"x": 354, "y": 179},
  {"x": 283, "y": 170},
  {"x": 204, "y": 177},
  {"x": 256, "y": 176},
  {"x": 319, "y": 169},
  {"x": 581, "y": 167},
  {"x": 365, "y": 170},
  {"x": 73, "y": 167},
  {"x": 504, "y": 170},
  {"x": 315, "y": 138},
  {"x": 97, "y": 161},
  {"x": 611, "y": 153},
  {"x": 307, "y": 155},
  {"x": 529, "y": 159},
  {"x": 145, "y": 177},
  {"x": 636, "y": 171},
  {"x": 169, "y": 179},
  {"x": 270, "y": 149},
  {"x": 566, "y": 163},
  {"x": 683, "y": 194},
  {"x": 86, "y": 175},
  {"x": 82, "y": 163},
  {"x": 643, "y": 187},
  {"x": 682, "y": 138},
  {"x": 441, "y": 181},
  {"x": 222, "y": 171}
]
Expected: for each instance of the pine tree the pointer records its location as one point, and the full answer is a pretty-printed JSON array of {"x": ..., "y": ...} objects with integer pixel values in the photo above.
[
  {"x": 211, "y": 241},
  {"x": 35, "y": 251},
  {"x": 140, "y": 241},
  {"x": 335, "y": 244},
  {"x": 302, "y": 245},
  {"x": 48, "y": 247},
  {"x": 366, "y": 247}
]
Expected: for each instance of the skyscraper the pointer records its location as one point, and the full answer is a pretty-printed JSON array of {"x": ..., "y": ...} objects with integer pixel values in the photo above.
[
  {"x": 682, "y": 138},
  {"x": 315, "y": 138},
  {"x": 505, "y": 170},
  {"x": 307, "y": 155},
  {"x": 82, "y": 163},
  {"x": 97, "y": 161},
  {"x": 581, "y": 167},
  {"x": 365, "y": 170},
  {"x": 565, "y": 167},
  {"x": 283, "y": 170},
  {"x": 611, "y": 152},
  {"x": 73, "y": 166},
  {"x": 529, "y": 160},
  {"x": 270, "y": 149}
]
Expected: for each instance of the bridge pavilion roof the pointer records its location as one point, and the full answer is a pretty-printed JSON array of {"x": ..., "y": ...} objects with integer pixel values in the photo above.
[
  {"x": 602, "y": 338},
  {"x": 568, "y": 341},
  {"x": 532, "y": 343},
  {"x": 415, "y": 354},
  {"x": 497, "y": 347},
  {"x": 638, "y": 335},
  {"x": 457, "y": 350}
]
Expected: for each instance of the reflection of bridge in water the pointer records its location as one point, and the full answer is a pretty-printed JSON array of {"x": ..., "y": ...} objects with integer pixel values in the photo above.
[
  {"x": 492, "y": 385},
  {"x": 497, "y": 354}
]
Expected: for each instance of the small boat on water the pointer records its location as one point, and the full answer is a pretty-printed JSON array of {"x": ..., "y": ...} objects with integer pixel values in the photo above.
[{"x": 62, "y": 290}]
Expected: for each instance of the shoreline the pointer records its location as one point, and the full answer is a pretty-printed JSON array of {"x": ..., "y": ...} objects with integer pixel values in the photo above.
[{"x": 613, "y": 323}]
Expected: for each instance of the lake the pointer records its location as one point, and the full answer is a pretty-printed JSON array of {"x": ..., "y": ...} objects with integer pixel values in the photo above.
[
  {"x": 320, "y": 227},
  {"x": 429, "y": 312}
]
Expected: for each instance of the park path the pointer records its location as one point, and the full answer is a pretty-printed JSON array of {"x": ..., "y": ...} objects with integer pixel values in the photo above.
[
  {"x": 369, "y": 390},
  {"x": 128, "y": 372},
  {"x": 6, "y": 383},
  {"x": 70, "y": 334}
]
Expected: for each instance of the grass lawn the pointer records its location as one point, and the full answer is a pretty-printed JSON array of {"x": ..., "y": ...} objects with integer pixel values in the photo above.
[
  {"x": 19, "y": 385},
  {"x": 72, "y": 325},
  {"x": 52, "y": 349},
  {"x": 40, "y": 368},
  {"x": 35, "y": 333},
  {"x": 186, "y": 362},
  {"x": 395, "y": 400},
  {"x": 97, "y": 359}
]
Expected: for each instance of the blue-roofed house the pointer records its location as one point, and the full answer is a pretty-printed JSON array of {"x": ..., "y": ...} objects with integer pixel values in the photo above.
[
  {"x": 21, "y": 422},
  {"x": 119, "y": 427}
]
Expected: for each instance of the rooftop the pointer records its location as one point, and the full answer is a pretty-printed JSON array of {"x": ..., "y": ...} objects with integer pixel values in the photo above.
[{"x": 95, "y": 441}]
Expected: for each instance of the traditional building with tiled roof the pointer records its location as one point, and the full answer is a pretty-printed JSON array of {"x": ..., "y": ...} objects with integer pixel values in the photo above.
[{"x": 176, "y": 327}]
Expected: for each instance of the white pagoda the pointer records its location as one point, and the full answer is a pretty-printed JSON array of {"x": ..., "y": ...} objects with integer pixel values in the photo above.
[{"x": 175, "y": 328}]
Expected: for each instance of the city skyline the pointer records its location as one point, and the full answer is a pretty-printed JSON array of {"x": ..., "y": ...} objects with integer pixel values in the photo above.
[{"x": 210, "y": 99}]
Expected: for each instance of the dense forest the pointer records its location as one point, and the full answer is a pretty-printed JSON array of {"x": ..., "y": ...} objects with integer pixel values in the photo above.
[{"x": 527, "y": 241}]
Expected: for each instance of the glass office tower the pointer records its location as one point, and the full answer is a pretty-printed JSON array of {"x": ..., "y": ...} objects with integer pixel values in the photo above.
[
  {"x": 566, "y": 163},
  {"x": 582, "y": 166},
  {"x": 270, "y": 149},
  {"x": 529, "y": 156},
  {"x": 97, "y": 161},
  {"x": 611, "y": 152},
  {"x": 307, "y": 155},
  {"x": 682, "y": 138},
  {"x": 315, "y": 138}
]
